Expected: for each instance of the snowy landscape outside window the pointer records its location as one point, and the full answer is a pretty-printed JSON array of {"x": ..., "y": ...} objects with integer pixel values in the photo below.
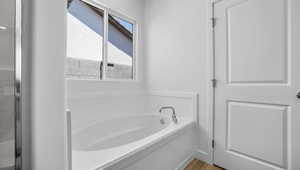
[{"x": 100, "y": 43}]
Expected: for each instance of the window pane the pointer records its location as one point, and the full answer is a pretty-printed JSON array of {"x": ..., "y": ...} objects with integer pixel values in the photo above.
[
  {"x": 119, "y": 49},
  {"x": 84, "y": 41}
]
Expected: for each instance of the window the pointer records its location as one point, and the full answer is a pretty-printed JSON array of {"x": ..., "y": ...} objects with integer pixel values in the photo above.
[
  {"x": 120, "y": 49},
  {"x": 100, "y": 43}
]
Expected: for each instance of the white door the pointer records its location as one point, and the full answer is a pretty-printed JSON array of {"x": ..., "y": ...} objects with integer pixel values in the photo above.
[{"x": 257, "y": 67}]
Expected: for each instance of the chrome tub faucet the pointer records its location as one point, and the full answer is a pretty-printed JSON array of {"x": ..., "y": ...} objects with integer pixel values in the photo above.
[{"x": 174, "y": 117}]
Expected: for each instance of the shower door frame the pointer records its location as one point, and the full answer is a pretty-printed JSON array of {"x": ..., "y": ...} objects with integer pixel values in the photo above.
[{"x": 18, "y": 84}]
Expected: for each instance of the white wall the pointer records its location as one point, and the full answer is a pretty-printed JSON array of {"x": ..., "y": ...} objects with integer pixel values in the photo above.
[
  {"x": 48, "y": 51},
  {"x": 176, "y": 53}
]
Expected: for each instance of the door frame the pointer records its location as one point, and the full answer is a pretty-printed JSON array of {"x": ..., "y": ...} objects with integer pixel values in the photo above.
[{"x": 211, "y": 77}]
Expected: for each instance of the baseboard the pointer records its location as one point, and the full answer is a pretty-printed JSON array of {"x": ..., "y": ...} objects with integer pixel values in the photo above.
[
  {"x": 203, "y": 156},
  {"x": 198, "y": 154},
  {"x": 185, "y": 162}
]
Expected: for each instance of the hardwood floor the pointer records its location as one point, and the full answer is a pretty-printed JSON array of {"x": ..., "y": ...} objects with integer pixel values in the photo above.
[{"x": 200, "y": 165}]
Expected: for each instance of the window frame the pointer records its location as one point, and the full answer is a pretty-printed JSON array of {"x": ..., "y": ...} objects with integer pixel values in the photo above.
[{"x": 108, "y": 11}]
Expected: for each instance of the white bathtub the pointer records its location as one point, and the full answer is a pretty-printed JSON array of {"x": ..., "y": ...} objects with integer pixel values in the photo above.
[
  {"x": 105, "y": 143},
  {"x": 117, "y": 132}
]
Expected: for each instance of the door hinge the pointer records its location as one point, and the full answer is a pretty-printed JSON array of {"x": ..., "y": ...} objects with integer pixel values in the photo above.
[
  {"x": 213, "y": 22},
  {"x": 213, "y": 143},
  {"x": 214, "y": 83}
]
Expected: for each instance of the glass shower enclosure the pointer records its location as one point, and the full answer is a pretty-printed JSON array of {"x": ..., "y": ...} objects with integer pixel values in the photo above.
[{"x": 10, "y": 76}]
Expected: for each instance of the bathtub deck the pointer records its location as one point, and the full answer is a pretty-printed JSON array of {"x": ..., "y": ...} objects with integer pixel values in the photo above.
[{"x": 200, "y": 165}]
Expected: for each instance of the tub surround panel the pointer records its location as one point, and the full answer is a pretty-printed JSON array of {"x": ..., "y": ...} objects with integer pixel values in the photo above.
[
  {"x": 185, "y": 103},
  {"x": 88, "y": 108},
  {"x": 92, "y": 108}
]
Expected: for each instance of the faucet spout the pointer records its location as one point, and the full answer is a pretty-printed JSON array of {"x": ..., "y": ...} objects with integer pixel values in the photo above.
[{"x": 174, "y": 117}]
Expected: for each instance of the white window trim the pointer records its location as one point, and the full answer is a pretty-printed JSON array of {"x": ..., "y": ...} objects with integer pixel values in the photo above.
[{"x": 120, "y": 15}]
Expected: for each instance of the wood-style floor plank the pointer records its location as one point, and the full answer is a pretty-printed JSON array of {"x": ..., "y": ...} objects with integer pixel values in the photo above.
[{"x": 200, "y": 165}]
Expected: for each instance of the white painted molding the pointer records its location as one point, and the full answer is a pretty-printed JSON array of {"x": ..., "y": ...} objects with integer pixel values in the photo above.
[
  {"x": 198, "y": 154},
  {"x": 193, "y": 96},
  {"x": 97, "y": 95},
  {"x": 176, "y": 94},
  {"x": 203, "y": 156},
  {"x": 185, "y": 162},
  {"x": 210, "y": 75}
]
